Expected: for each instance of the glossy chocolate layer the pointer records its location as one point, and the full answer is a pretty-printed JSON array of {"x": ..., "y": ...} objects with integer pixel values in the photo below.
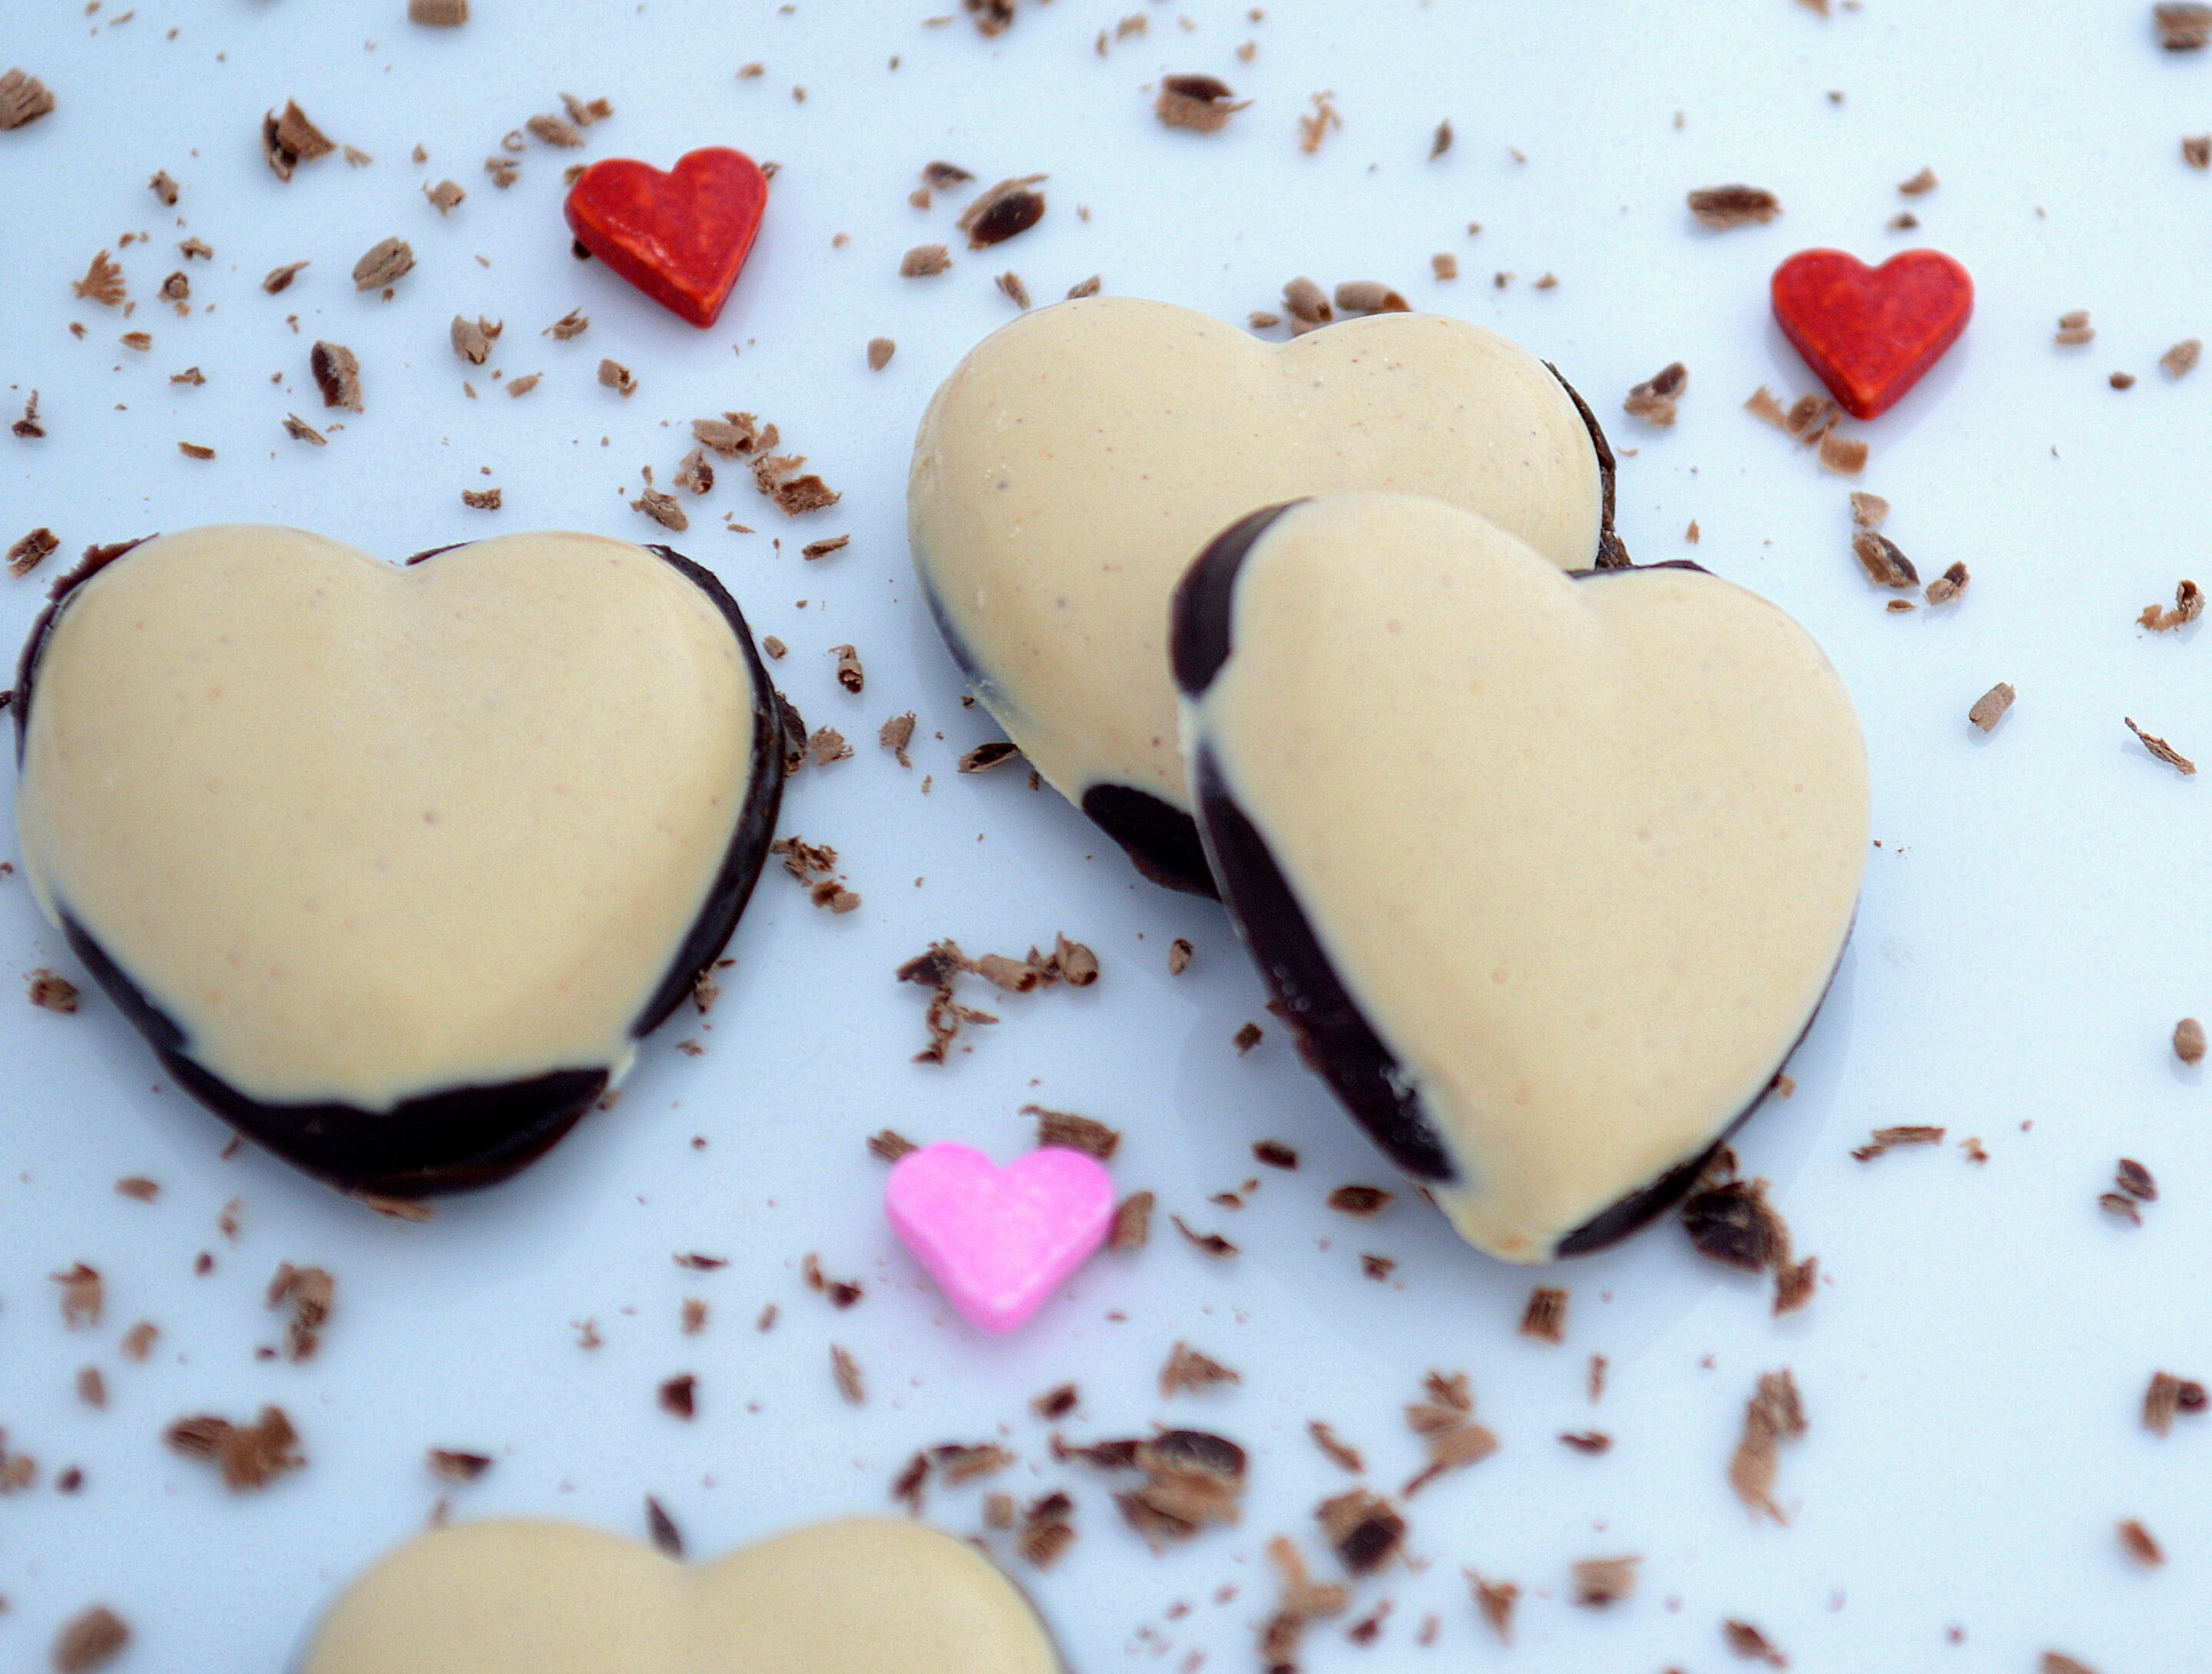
[
  {"x": 556, "y": 1035},
  {"x": 1381, "y": 956},
  {"x": 1069, "y": 468}
]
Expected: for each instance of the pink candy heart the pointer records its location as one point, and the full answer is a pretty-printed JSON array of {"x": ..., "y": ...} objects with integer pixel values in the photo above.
[{"x": 997, "y": 1240}]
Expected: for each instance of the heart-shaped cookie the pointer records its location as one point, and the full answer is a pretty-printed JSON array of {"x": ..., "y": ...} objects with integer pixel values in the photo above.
[
  {"x": 1550, "y": 871},
  {"x": 395, "y": 867},
  {"x": 1870, "y": 333},
  {"x": 865, "y": 1597},
  {"x": 680, "y": 237},
  {"x": 998, "y": 1240},
  {"x": 1072, "y": 465}
]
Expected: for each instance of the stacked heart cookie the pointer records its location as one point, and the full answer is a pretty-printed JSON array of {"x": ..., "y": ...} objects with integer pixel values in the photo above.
[
  {"x": 1547, "y": 859},
  {"x": 395, "y": 867}
]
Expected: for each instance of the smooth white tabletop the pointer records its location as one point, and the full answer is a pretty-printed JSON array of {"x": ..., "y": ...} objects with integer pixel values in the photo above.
[{"x": 2033, "y": 925}]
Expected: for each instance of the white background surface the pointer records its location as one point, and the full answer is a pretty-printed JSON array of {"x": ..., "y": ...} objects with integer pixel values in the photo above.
[{"x": 2032, "y": 925}]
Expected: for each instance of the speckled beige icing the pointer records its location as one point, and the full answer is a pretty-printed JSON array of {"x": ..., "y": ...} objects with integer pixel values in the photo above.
[
  {"x": 865, "y": 1597},
  {"x": 366, "y": 831},
  {"x": 1584, "y": 852},
  {"x": 1074, "y": 465}
]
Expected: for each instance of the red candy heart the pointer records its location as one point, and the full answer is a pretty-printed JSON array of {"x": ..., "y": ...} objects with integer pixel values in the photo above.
[
  {"x": 1871, "y": 333},
  {"x": 678, "y": 237}
]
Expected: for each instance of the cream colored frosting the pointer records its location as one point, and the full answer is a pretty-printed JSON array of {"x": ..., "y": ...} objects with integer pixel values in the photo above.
[
  {"x": 365, "y": 832},
  {"x": 864, "y": 1597},
  {"x": 1584, "y": 852},
  {"x": 1074, "y": 464}
]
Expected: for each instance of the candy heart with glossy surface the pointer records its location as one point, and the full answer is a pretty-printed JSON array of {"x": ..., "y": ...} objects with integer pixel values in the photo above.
[
  {"x": 1072, "y": 465},
  {"x": 1870, "y": 333},
  {"x": 681, "y": 237},
  {"x": 394, "y": 866},
  {"x": 998, "y": 1240},
  {"x": 864, "y": 1597},
  {"x": 1550, "y": 871}
]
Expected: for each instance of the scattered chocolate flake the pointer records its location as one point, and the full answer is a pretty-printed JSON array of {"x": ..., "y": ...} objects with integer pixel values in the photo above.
[
  {"x": 1016, "y": 292},
  {"x": 310, "y": 1290},
  {"x": 2188, "y": 606},
  {"x": 985, "y": 757},
  {"x": 472, "y": 338},
  {"x": 666, "y": 1537},
  {"x": 1763, "y": 405},
  {"x": 616, "y": 376},
  {"x": 1794, "y": 1281},
  {"x": 694, "y": 473},
  {"x": 438, "y": 14},
  {"x": 907, "y": 1487},
  {"x": 1599, "y": 1582},
  {"x": 1360, "y": 1200},
  {"x": 1369, "y": 296},
  {"x": 27, "y": 426},
  {"x": 993, "y": 18},
  {"x": 1774, "y": 1415},
  {"x": 1074, "y": 1133},
  {"x": 448, "y": 1466},
  {"x": 1363, "y": 1529},
  {"x": 679, "y": 1395},
  {"x": 504, "y": 174},
  {"x": 774, "y": 646},
  {"x": 572, "y": 324},
  {"x": 1885, "y": 564},
  {"x": 1324, "y": 1438},
  {"x": 1588, "y": 1442},
  {"x": 289, "y": 140},
  {"x": 924, "y": 261},
  {"x": 192, "y": 247},
  {"x": 1811, "y": 417},
  {"x": 2183, "y": 27},
  {"x": 23, "y": 99},
  {"x": 338, "y": 375},
  {"x": 138, "y": 1342},
  {"x": 193, "y": 450},
  {"x": 2165, "y": 752},
  {"x": 959, "y": 1464},
  {"x": 82, "y": 1297},
  {"x": 1885, "y": 1139},
  {"x": 1377, "y": 1268},
  {"x": 1545, "y": 1319},
  {"x": 1307, "y": 304},
  {"x": 250, "y": 1455},
  {"x": 661, "y": 507},
  {"x": 92, "y": 1387},
  {"x": 31, "y": 551},
  {"x": 1315, "y": 125},
  {"x": 793, "y": 495},
  {"x": 280, "y": 278},
  {"x": 584, "y": 115},
  {"x": 1903, "y": 221},
  {"x": 1188, "y": 1369},
  {"x": 445, "y": 196},
  {"x": 1008, "y": 207},
  {"x": 102, "y": 282},
  {"x": 1082, "y": 288},
  {"x": 734, "y": 435},
  {"x": 140, "y": 341},
  {"x": 175, "y": 288},
  {"x": 2136, "y": 1542},
  {"x": 191, "y": 375},
  {"x": 2122, "y": 380},
  {"x": 2181, "y": 360},
  {"x": 1272, "y": 1152},
  {"x": 1723, "y": 207},
  {"x": 1654, "y": 399},
  {"x": 1133, "y": 1223},
  {"x": 1597, "y": 1370},
  {"x": 1303, "y": 1602},
  {"x": 96, "y": 1637},
  {"x": 1207, "y": 1244},
  {"x": 1197, "y": 102},
  {"x": 1924, "y": 182},
  {"x": 1989, "y": 708},
  {"x": 554, "y": 132},
  {"x": 1732, "y": 1223},
  {"x": 1947, "y": 586},
  {"x": 823, "y": 549},
  {"x": 896, "y": 734},
  {"x": 1740, "y": 1637},
  {"x": 2133, "y": 1178},
  {"x": 2189, "y": 1041},
  {"x": 2075, "y": 329},
  {"x": 828, "y": 744},
  {"x": 2057, "y": 1662},
  {"x": 1247, "y": 1037},
  {"x": 847, "y": 1371},
  {"x": 1844, "y": 455},
  {"x": 885, "y": 1146}
]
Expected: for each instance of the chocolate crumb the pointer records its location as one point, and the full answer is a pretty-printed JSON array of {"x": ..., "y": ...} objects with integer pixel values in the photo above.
[
  {"x": 1073, "y": 1133},
  {"x": 279, "y": 279},
  {"x": 985, "y": 757},
  {"x": 2057, "y": 1662},
  {"x": 1133, "y": 1223},
  {"x": 1599, "y": 1582},
  {"x": 472, "y": 339},
  {"x": 1307, "y": 303},
  {"x": 1746, "y": 1640},
  {"x": 1794, "y": 1281},
  {"x": 1495, "y": 1600},
  {"x": 1885, "y": 564},
  {"x": 250, "y": 1455},
  {"x": 1772, "y": 1416},
  {"x": 1588, "y": 1442},
  {"x": 572, "y": 324},
  {"x": 445, "y": 195},
  {"x": 2165, "y": 752},
  {"x": 2132, "y": 1177},
  {"x": 1363, "y": 1529},
  {"x": 554, "y": 132},
  {"x": 1275, "y": 1154},
  {"x": 311, "y": 1291},
  {"x": 1016, "y": 292},
  {"x": 2189, "y": 1041},
  {"x": 885, "y": 1146},
  {"x": 1361, "y": 1200},
  {"x": 92, "y": 1387},
  {"x": 1315, "y": 125},
  {"x": 1885, "y": 1139},
  {"x": 28, "y": 427},
  {"x": 1844, "y": 455},
  {"x": 138, "y": 1342},
  {"x": 1733, "y": 1224},
  {"x": 1989, "y": 708},
  {"x": 2168, "y": 1396},
  {"x": 1325, "y": 1439},
  {"x": 2188, "y": 606},
  {"x": 2075, "y": 329},
  {"x": 823, "y": 549},
  {"x": 1369, "y": 296},
  {"x": 1925, "y": 181},
  {"x": 288, "y": 140},
  {"x": 1199, "y": 103},
  {"x": 31, "y": 551},
  {"x": 850, "y": 675},
  {"x": 1654, "y": 400},
  {"x": 2122, "y": 380},
  {"x": 383, "y": 265},
  {"x": 699, "y": 1262},
  {"x": 2197, "y": 151},
  {"x": 1545, "y": 1319},
  {"x": 102, "y": 282},
  {"x": 1440, "y": 141},
  {"x": 774, "y": 648},
  {"x": 661, "y": 507},
  {"x": 896, "y": 734},
  {"x": 338, "y": 375},
  {"x": 83, "y": 1297},
  {"x": 1947, "y": 586},
  {"x": 448, "y": 1466},
  {"x": 96, "y": 1637},
  {"x": 23, "y": 99},
  {"x": 679, "y": 1395},
  {"x": 2180, "y": 361},
  {"x": 1211, "y": 1245},
  {"x": 438, "y": 14},
  {"x": 1046, "y": 1530},
  {"x": 193, "y": 450},
  {"x": 1056, "y": 1403},
  {"x": 1008, "y": 207},
  {"x": 1188, "y": 1369},
  {"x": 2183, "y": 26},
  {"x": 1377, "y": 1268},
  {"x": 924, "y": 261},
  {"x": 2136, "y": 1542},
  {"x": 1723, "y": 207},
  {"x": 1246, "y": 1038},
  {"x": 616, "y": 376},
  {"x": 666, "y": 1537},
  {"x": 846, "y": 1371},
  {"x": 300, "y": 430}
]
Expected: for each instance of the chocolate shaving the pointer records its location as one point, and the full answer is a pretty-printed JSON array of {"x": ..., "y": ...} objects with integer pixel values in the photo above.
[
  {"x": 250, "y": 1455},
  {"x": 1272, "y": 1152},
  {"x": 614, "y": 375},
  {"x": 846, "y": 1371},
  {"x": 102, "y": 282},
  {"x": 1732, "y": 1223},
  {"x": 2189, "y": 1041},
  {"x": 279, "y": 279},
  {"x": 1249, "y": 1036},
  {"x": 1016, "y": 292},
  {"x": 2165, "y": 752},
  {"x": 1315, "y": 125},
  {"x": 31, "y": 551},
  {"x": 1008, "y": 207},
  {"x": 666, "y": 1537},
  {"x": 1844, "y": 455},
  {"x": 943, "y": 176},
  {"x": 1133, "y": 1223},
  {"x": 288, "y": 140},
  {"x": 1592, "y": 1442},
  {"x": 1740, "y": 1637},
  {"x": 24, "y": 99},
  {"x": 924, "y": 261},
  {"x": 1074, "y": 1133},
  {"x": 28, "y": 427},
  {"x": 2132, "y": 1177},
  {"x": 1885, "y": 565},
  {"x": 1344, "y": 1455},
  {"x": 679, "y": 1395},
  {"x": 985, "y": 757},
  {"x": 1188, "y": 1369},
  {"x": 1885, "y": 1139},
  {"x": 96, "y": 1637},
  {"x": 1774, "y": 1415},
  {"x": 885, "y": 1146},
  {"x": 438, "y": 14},
  {"x": 1723, "y": 207},
  {"x": 1654, "y": 399},
  {"x": 1210, "y": 1244},
  {"x": 311, "y": 1291},
  {"x": 1307, "y": 303},
  {"x": 1369, "y": 296},
  {"x": 2183, "y": 26},
  {"x": 450, "y": 1466},
  {"x": 1303, "y": 1602},
  {"x": 1989, "y": 708},
  {"x": 472, "y": 339},
  {"x": 1199, "y": 103},
  {"x": 446, "y": 196},
  {"x": 1056, "y": 1403},
  {"x": 2188, "y": 606},
  {"x": 1363, "y": 1529},
  {"x": 1545, "y": 1319},
  {"x": 2180, "y": 361},
  {"x": 1947, "y": 586},
  {"x": 552, "y": 131},
  {"x": 1047, "y": 1529},
  {"x": 663, "y": 508},
  {"x": 1358, "y": 1200},
  {"x": 338, "y": 375},
  {"x": 880, "y": 350},
  {"x": 82, "y": 1296}
]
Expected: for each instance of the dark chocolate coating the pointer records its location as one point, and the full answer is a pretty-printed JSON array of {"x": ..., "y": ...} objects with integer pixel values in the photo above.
[
  {"x": 454, "y": 1139},
  {"x": 1334, "y": 1036}
]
